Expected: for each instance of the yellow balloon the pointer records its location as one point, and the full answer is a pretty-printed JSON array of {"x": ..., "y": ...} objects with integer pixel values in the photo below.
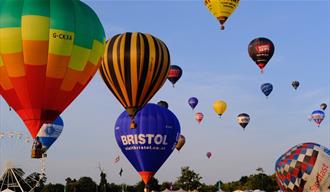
[
  {"x": 219, "y": 107},
  {"x": 221, "y": 9}
]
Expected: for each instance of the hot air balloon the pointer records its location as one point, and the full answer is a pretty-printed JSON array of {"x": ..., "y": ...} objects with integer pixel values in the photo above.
[
  {"x": 261, "y": 51},
  {"x": 199, "y": 117},
  {"x": 318, "y": 116},
  {"x": 295, "y": 84},
  {"x": 243, "y": 119},
  {"x": 219, "y": 107},
  {"x": 323, "y": 106},
  {"x": 149, "y": 145},
  {"x": 134, "y": 68},
  {"x": 49, "y": 52},
  {"x": 181, "y": 142},
  {"x": 174, "y": 74},
  {"x": 221, "y": 9},
  {"x": 208, "y": 154},
  {"x": 47, "y": 135},
  {"x": 193, "y": 101},
  {"x": 304, "y": 167},
  {"x": 162, "y": 104},
  {"x": 266, "y": 88}
]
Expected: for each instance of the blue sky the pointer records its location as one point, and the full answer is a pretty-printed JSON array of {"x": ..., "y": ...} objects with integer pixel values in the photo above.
[{"x": 216, "y": 66}]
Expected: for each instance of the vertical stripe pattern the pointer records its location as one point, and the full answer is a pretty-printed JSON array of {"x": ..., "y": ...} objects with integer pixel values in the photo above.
[{"x": 134, "y": 68}]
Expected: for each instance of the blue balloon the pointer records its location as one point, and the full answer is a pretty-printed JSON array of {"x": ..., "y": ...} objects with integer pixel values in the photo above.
[
  {"x": 266, "y": 88},
  {"x": 49, "y": 132},
  {"x": 193, "y": 101},
  {"x": 149, "y": 144}
]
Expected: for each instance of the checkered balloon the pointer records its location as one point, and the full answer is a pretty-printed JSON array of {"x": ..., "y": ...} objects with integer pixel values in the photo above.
[{"x": 305, "y": 167}]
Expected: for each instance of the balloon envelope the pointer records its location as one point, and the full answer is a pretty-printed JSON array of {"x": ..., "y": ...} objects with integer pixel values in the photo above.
[
  {"x": 49, "y": 132},
  {"x": 219, "y": 107},
  {"x": 304, "y": 167},
  {"x": 162, "y": 104},
  {"x": 181, "y": 142},
  {"x": 261, "y": 51},
  {"x": 295, "y": 84},
  {"x": 243, "y": 119},
  {"x": 49, "y": 52},
  {"x": 149, "y": 145},
  {"x": 221, "y": 9},
  {"x": 266, "y": 88},
  {"x": 174, "y": 74},
  {"x": 199, "y": 117},
  {"x": 323, "y": 106},
  {"x": 318, "y": 116},
  {"x": 134, "y": 68},
  {"x": 208, "y": 154},
  {"x": 193, "y": 101}
]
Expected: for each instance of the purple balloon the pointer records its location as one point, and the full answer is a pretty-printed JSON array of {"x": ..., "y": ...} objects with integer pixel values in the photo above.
[{"x": 193, "y": 101}]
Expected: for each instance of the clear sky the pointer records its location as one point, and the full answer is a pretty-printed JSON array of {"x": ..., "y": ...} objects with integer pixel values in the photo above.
[{"x": 216, "y": 66}]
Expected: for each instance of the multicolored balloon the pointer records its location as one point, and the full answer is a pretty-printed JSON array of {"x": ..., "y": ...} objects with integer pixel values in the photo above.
[
  {"x": 149, "y": 145},
  {"x": 48, "y": 134},
  {"x": 208, "y": 154},
  {"x": 266, "y": 88},
  {"x": 221, "y": 9},
  {"x": 261, "y": 51},
  {"x": 304, "y": 167},
  {"x": 243, "y": 119},
  {"x": 134, "y": 68},
  {"x": 323, "y": 106},
  {"x": 193, "y": 101},
  {"x": 318, "y": 116},
  {"x": 174, "y": 74},
  {"x": 50, "y": 50},
  {"x": 162, "y": 104},
  {"x": 219, "y": 107},
  {"x": 199, "y": 117},
  {"x": 181, "y": 142},
  {"x": 295, "y": 84}
]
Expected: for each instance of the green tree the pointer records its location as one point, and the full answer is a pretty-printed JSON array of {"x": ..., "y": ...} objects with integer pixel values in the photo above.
[
  {"x": 261, "y": 181},
  {"x": 189, "y": 180},
  {"x": 165, "y": 185},
  {"x": 86, "y": 184},
  {"x": 53, "y": 188}
]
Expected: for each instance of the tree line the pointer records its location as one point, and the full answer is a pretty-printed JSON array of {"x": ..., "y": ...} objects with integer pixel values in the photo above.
[{"x": 188, "y": 180}]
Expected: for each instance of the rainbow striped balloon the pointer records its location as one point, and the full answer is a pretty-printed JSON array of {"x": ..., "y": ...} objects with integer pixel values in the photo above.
[{"x": 49, "y": 51}]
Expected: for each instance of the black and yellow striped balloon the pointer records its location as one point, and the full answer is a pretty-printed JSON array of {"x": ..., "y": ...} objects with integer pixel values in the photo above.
[{"x": 134, "y": 68}]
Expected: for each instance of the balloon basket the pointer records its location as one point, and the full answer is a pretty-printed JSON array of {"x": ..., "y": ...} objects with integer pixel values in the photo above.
[{"x": 36, "y": 153}]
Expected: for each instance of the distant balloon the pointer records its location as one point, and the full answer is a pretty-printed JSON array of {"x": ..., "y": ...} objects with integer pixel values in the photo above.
[
  {"x": 134, "y": 67},
  {"x": 193, "y": 101},
  {"x": 266, "y": 88},
  {"x": 318, "y": 116},
  {"x": 295, "y": 84},
  {"x": 323, "y": 106},
  {"x": 208, "y": 154},
  {"x": 221, "y": 9},
  {"x": 149, "y": 145},
  {"x": 163, "y": 104},
  {"x": 181, "y": 142},
  {"x": 261, "y": 51},
  {"x": 219, "y": 107},
  {"x": 305, "y": 167},
  {"x": 243, "y": 119},
  {"x": 174, "y": 74},
  {"x": 199, "y": 117}
]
